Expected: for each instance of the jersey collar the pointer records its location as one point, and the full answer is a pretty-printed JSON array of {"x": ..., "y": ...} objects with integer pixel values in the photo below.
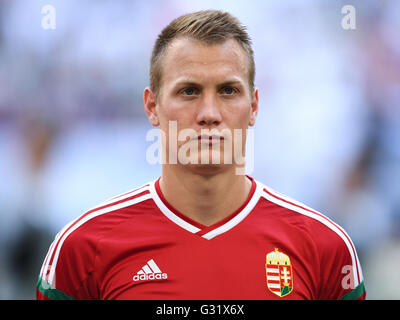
[{"x": 206, "y": 232}]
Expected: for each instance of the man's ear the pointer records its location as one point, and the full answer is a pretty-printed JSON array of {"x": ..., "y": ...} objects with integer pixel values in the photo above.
[
  {"x": 254, "y": 108},
  {"x": 150, "y": 103}
]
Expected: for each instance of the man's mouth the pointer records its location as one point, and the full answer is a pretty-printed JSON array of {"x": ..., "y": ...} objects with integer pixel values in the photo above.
[{"x": 209, "y": 138}]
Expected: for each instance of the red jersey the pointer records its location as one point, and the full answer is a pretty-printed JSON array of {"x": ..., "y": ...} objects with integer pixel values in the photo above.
[{"x": 137, "y": 246}]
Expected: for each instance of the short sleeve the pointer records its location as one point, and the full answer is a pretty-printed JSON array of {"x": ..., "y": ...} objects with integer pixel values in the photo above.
[
  {"x": 66, "y": 273},
  {"x": 341, "y": 275}
]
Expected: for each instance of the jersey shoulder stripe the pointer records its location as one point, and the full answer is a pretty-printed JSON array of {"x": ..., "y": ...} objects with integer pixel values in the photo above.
[
  {"x": 295, "y": 206},
  {"x": 124, "y": 195},
  {"x": 125, "y": 200}
]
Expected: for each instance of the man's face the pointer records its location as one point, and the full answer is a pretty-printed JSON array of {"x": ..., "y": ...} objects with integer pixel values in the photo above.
[{"x": 205, "y": 87}]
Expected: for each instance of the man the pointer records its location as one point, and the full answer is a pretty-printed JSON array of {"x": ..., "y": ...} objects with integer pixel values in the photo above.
[{"x": 203, "y": 230}]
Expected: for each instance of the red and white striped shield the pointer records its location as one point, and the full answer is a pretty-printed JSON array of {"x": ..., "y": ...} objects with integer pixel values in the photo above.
[{"x": 279, "y": 273}]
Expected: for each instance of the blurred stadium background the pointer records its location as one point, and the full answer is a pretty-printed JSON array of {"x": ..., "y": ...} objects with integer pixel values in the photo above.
[{"x": 73, "y": 129}]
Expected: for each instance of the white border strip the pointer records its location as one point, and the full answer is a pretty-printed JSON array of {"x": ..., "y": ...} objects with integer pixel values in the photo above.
[
  {"x": 122, "y": 196},
  {"x": 45, "y": 267},
  {"x": 85, "y": 219},
  {"x": 168, "y": 213},
  {"x": 48, "y": 256},
  {"x": 324, "y": 220},
  {"x": 239, "y": 217}
]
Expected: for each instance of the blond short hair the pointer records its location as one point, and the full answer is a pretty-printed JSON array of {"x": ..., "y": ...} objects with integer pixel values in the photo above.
[{"x": 209, "y": 27}]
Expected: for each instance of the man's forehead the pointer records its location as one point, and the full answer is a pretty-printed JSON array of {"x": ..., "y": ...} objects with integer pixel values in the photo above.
[{"x": 185, "y": 54}]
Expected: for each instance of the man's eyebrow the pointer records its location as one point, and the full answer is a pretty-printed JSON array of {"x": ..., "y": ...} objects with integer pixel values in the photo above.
[
  {"x": 230, "y": 83},
  {"x": 187, "y": 82},
  {"x": 191, "y": 82}
]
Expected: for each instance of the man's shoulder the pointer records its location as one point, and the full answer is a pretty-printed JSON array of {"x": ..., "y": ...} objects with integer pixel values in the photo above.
[
  {"x": 78, "y": 240},
  {"x": 310, "y": 220},
  {"x": 116, "y": 204},
  {"x": 102, "y": 217}
]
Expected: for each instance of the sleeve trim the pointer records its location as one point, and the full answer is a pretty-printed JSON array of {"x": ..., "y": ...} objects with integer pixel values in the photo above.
[
  {"x": 51, "y": 292},
  {"x": 356, "y": 293}
]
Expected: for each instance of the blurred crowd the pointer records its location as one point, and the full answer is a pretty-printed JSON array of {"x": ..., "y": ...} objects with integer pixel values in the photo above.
[{"x": 73, "y": 128}]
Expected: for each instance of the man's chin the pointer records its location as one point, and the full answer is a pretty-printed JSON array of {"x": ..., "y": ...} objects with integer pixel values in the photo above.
[{"x": 207, "y": 169}]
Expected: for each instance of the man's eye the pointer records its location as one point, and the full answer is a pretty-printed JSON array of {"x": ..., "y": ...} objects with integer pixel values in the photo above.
[
  {"x": 189, "y": 91},
  {"x": 228, "y": 90}
]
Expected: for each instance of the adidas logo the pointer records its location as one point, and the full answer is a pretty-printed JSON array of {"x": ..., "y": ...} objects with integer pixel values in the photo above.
[{"x": 150, "y": 271}]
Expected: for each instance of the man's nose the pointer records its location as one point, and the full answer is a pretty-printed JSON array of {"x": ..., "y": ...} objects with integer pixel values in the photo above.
[{"x": 209, "y": 111}]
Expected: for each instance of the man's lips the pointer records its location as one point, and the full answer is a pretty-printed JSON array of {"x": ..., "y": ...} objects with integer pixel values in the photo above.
[{"x": 209, "y": 139}]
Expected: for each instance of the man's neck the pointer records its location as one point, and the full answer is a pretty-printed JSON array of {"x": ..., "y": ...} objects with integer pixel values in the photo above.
[{"x": 205, "y": 199}]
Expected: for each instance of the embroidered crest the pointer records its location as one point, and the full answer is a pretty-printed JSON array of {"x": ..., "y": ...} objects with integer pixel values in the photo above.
[{"x": 279, "y": 273}]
